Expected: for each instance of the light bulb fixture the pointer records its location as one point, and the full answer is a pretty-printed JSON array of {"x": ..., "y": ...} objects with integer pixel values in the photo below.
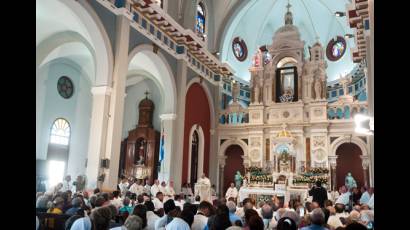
[
  {"x": 347, "y": 36},
  {"x": 364, "y": 124},
  {"x": 340, "y": 14}
]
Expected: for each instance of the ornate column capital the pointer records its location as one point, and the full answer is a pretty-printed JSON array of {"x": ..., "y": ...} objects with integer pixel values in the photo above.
[
  {"x": 168, "y": 116},
  {"x": 365, "y": 162},
  {"x": 212, "y": 132},
  {"x": 332, "y": 161},
  {"x": 221, "y": 160}
]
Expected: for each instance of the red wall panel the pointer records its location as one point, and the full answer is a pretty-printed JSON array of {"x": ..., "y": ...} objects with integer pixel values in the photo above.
[
  {"x": 349, "y": 160},
  {"x": 196, "y": 112},
  {"x": 233, "y": 163}
]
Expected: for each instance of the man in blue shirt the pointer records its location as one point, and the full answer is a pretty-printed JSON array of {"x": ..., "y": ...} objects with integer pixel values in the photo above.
[{"x": 232, "y": 209}]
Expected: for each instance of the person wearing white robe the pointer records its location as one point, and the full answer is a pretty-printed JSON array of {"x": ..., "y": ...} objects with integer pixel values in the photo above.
[
  {"x": 123, "y": 185},
  {"x": 231, "y": 192},
  {"x": 162, "y": 187},
  {"x": 205, "y": 189},
  {"x": 137, "y": 188},
  {"x": 169, "y": 190},
  {"x": 147, "y": 187},
  {"x": 155, "y": 188}
]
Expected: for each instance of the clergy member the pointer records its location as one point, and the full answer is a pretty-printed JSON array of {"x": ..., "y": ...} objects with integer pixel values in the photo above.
[
  {"x": 137, "y": 188},
  {"x": 169, "y": 190},
  {"x": 231, "y": 192},
  {"x": 155, "y": 188},
  {"x": 204, "y": 189},
  {"x": 123, "y": 185}
]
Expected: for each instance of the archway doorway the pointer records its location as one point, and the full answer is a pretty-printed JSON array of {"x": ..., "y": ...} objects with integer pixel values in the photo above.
[
  {"x": 349, "y": 160},
  {"x": 234, "y": 162}
]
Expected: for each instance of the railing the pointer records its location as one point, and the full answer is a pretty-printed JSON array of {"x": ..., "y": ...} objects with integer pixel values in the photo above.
[
  {"x": 233, "y": 118},
  {"x": 338, "y": 111}
]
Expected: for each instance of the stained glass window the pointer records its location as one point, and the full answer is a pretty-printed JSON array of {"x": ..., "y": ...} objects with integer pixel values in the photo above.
[
  {"x": 200, "y": 19},
  {"x": 60, "y": 132},
  {"x": 336, "y": 48},
  {"x": 239, "y": 49}
]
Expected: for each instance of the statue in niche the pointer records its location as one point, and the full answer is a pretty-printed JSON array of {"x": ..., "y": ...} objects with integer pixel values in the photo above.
[
  {"x": 257, "y": 58},
  {"x": 350, "y": 182},
  {"x": 257, "y": 88},
  {"x": 235, "y": 91},
  {"x": 318, "y": 88},
  {"x": 141, "y": 153},
  {"x": 238, "y": 180}
]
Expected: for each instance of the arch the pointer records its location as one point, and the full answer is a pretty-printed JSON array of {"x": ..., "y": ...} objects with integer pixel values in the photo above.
[
  {"x": 201, "y": 149},
  {"x": 226, "y": 144},
  {"x": 202, "y": 5},
  {"x": 164, "y": 76},
  {"x": 45, "y": 47},
  {"x": 92, "y": 35},
  {"x": 348, "y": 139},
  {"x": 99, "y": 38},
  {"x": 235, "y": 156},
  {"x": 349, "y": 160},
  {"x": 208, "y": 96},
  {"x": 286, "y": 60},
  {"x": 57, "y": 137}
]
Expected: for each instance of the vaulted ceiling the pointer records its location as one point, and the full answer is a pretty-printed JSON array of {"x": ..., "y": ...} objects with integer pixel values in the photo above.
[{"x": 255, "y": 21}]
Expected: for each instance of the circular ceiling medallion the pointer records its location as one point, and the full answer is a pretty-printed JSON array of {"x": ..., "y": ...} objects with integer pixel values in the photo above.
[
  {"x": 240, "y": 51},
  {"x": 320, "y": 155},
  {"x": 286, "y": 114},
  {"x": 336, "y": 48},
  {"x": 254, "y": 155},
  {"x": 65, "y": 87}
]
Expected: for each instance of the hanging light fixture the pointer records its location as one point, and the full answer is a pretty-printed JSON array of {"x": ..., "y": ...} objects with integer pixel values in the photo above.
[
  {"x": 340, "y": 14},
  {"x": 347, "y": 36}
]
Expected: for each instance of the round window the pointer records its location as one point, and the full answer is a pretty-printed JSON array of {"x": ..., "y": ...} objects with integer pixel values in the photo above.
[
  {"x": 336, "y": 48},
  {"x": 65, "y": 87}
]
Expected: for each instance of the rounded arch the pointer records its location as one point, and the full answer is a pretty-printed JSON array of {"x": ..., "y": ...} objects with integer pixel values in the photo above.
[
  {"x": 201, "y": 149},
  {"x": 208, "y": 96},
  {"x": 162, "y": 74},
  {"x": 348, "y": 139},
  {"x": 104, "y": 58},
  {"x": 226, "y": 144}
]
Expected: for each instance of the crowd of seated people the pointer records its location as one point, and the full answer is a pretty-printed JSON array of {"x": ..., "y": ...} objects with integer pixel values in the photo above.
[{"x": 158, "y": 207}]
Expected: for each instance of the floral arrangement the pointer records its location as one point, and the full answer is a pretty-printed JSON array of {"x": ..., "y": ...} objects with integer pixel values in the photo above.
[
  {"x": 309, "y": 180},
  {"x": 313, "y": 175},
  {"x": 253, "y": 169},
  {"x": 261, "y": 178}
]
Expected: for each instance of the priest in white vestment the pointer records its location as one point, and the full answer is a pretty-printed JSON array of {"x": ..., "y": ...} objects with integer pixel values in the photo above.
[
  {"x": 155, "y": 188},
  {"x": 123, "y": 185},
  {"x": 169, "y": 190},
  {"x": 137, "y": 188},
  {"x": 203, "y": 188},
  {"x": 66, "y": 184},
  {"x": 231, "y": 192}
]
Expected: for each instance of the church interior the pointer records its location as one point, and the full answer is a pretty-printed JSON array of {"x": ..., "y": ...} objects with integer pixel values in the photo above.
[{"x": 260, "y": 101}]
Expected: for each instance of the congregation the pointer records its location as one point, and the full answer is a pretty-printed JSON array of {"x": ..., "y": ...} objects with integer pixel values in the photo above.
[{"x": 139, "y": 205}]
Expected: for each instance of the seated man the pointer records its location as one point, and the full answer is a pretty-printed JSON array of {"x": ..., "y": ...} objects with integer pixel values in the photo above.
[{"x": 158, "y": 201}]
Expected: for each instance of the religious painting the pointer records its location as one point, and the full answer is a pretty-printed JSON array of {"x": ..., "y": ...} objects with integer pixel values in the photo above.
[
  {"x": 239, "y": 49},
  {"x": 286, "y": 84},
  {"x": 336, "y": 48},
  {"x": 141, "y": 150}
]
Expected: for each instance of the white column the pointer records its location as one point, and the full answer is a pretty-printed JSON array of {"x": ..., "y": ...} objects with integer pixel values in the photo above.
[
  {"x": 178, "y": 148},
  {"x": 365, "y": 165},
  {"x": 98, "y": 129},
  {"x": 332, "y": 163},
  {"x": 117, "y": 102},
  {"x": 167, "y": 121}
]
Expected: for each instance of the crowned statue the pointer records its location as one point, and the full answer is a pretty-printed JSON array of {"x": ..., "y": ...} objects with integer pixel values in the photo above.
[
  {"x": 350, "y": 182},
  {"x": 141, "y": 155},
  {"x": 238, "y": 180}
]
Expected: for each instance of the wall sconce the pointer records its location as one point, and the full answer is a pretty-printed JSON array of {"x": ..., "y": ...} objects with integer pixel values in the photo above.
[{"x": 340, "y": 14}]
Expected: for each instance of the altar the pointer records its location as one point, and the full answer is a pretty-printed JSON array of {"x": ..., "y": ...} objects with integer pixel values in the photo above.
[{"x": 254, "y": 192}]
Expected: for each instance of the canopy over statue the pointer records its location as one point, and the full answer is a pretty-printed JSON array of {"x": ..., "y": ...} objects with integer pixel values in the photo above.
[{"x": 350, "y": 182}]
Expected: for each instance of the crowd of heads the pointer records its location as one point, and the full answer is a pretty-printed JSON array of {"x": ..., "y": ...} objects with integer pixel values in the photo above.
[{"x": 107, "y": 210}]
